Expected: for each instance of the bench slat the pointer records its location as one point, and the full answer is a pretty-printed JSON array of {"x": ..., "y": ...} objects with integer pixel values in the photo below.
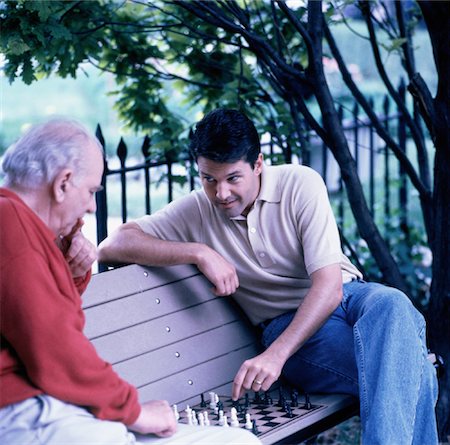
[
  {"x": 130, "y": 280},
  {"x": 119, "y": 313}
]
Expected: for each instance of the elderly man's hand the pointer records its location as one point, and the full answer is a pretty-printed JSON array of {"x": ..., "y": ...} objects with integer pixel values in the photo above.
[
  {"x": 79, "y": 252},
  {"x": 156, "y": 417}
]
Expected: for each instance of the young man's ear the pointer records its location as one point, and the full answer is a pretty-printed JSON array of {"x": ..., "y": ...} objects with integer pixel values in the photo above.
[
  {"x": 259, "y": 164},
  {"x": 60, "y": 184}
]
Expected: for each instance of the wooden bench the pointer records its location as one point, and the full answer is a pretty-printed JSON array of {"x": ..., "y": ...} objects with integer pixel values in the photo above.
[{"x": 164, "y": 331}]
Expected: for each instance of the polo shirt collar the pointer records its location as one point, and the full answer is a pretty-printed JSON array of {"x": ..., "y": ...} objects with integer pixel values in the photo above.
[{"x": 270, "y": 191}]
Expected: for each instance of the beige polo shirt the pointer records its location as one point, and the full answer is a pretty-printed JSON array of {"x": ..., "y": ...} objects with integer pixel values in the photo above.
[{"x": 289, "y": 233}]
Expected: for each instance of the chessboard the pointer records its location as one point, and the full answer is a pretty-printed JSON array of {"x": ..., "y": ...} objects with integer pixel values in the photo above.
[{"x": 261, "y": 413}]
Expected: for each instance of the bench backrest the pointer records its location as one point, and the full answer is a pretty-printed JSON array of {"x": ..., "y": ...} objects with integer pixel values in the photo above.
[{"x": 164, "y": 331}]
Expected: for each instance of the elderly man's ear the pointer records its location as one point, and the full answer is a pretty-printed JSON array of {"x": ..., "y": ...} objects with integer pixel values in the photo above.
[{"x": 61, "y": 183}]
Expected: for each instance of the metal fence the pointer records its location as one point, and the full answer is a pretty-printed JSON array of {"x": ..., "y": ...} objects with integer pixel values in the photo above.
[{"x": 384, "y": 181}]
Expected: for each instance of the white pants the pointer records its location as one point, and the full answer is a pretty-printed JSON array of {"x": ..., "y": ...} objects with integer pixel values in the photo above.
[{"x": 44, "y": 420}]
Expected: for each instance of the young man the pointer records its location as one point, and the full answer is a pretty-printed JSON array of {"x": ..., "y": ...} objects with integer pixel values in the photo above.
[
  {"x": 54, "y": 388},
  {"x": 267, "y": 236}
]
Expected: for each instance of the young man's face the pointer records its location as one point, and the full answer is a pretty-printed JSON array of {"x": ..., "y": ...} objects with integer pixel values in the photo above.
[{"x": 232, "y": 188}]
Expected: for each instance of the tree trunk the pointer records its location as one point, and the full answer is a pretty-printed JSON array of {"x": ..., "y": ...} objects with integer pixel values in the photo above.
[
  {"x": 339, "y": 147},
  {"x": 437, "y": 18}
]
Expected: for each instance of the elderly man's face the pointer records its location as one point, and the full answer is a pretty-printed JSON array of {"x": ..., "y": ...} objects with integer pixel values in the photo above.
[{"x": 80, "y": 192}]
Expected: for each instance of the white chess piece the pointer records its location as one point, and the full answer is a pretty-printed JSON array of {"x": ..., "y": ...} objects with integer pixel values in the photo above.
[
  {"x": 248, "y": 422},
  {"x": 175, "y": 412},
  {"x": 212, "y": 400},
  {"x": 225, "y": 421},
  {"x": 234, "y": 421},
  {"x": 201, "y": 419},
  {"x": 221, "y": 418},
  {"x": 206, "y": 418},
  {"x": 188, "y": 412},
  {"x": 194, "y": 418}
]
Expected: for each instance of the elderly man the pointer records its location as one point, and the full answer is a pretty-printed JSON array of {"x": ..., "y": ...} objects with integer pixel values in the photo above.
[
  {"x": 267, "y": 236},
  {"x": 54, "y": 387}
]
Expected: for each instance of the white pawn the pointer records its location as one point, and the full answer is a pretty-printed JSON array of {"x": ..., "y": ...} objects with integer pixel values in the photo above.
[
  {"x": 248, "y": 422},
  {"x": 225, "y": 421},
  {"x": 206, "y": 418},
  {"x": 175, "y": 412},
  {"x": 201, "y": 419},
  {"x": 194, "y": 418},
  {"x": 221, "y": 418},
  {"x": 233, "y": 418}
]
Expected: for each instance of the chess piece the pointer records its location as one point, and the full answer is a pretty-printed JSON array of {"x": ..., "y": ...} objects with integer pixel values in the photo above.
[
  {"x": 225, "y": 421},
  {"x": 218, "y": 403},
  {"x": 175, "y": 412},
  {"x": 248, "y": 422},
  {"x": 282, "y": 398},
  {"x": 221, "y": 418},
  {"x": 233, "y": 417},
  {"x": 289, "y": 411},
  {"x": 194, "y": 418},
  {"x": 294, "y": 399},
  {"x": 188, "y": 411},
  {"x": 212, "y": 400},
  {"x": 307, "y": 402}
]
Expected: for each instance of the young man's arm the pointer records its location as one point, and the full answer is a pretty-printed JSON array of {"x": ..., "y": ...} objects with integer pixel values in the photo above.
[
  {"x": 322, "y": 299},
  {"x": 130, "y": 244}
]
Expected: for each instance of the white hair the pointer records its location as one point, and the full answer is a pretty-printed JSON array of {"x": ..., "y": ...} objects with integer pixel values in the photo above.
[{"x": 44, "y": 150}]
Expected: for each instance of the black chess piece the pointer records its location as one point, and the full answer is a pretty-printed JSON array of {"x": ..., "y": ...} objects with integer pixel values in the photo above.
[
  {"x": 294, "y": 399},
  {"x": 282, "y": 399},
  {"x": 255, "y": 430},
  {"x": 202, "y": 403},
  {"x": 289, "y": 411},
  {"x": 247, "y": 400},
  {"x": 307, "y": 402}
]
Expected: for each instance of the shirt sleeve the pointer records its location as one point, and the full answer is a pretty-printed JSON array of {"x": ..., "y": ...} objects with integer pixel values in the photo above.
[
  {"x": 180, "y": 220},
  {"x": 317, "y": 227},
  {"x": 43, "y": 322},
  {"x": 81, "y": 283}
]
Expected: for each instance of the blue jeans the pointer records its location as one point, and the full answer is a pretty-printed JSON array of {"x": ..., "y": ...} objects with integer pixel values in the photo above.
[{"x": 373, "y": 346}]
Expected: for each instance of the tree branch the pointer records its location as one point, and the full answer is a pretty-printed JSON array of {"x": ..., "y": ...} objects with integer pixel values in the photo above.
[
  {"x": 381, "y": 131},
  {"x": 418, "y": 139}
]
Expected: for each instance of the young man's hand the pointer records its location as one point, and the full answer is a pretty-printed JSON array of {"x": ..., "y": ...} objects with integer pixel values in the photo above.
[
  {"x": 258, "y": 373},
  {"x": 219, "y": 271}
]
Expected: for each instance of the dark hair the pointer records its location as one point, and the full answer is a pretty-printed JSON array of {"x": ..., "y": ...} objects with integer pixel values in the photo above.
[{"x": 226, "y": 136}]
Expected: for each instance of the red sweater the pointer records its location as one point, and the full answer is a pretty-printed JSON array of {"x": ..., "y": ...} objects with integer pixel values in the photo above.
[{"x": 42, "y": 347}]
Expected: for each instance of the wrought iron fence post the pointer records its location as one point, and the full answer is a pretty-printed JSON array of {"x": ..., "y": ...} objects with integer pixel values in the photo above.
[{"x": 101, "y": 214}]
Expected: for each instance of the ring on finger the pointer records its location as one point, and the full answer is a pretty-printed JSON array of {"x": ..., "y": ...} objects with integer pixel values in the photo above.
[{"x": 257, "y": 382}]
